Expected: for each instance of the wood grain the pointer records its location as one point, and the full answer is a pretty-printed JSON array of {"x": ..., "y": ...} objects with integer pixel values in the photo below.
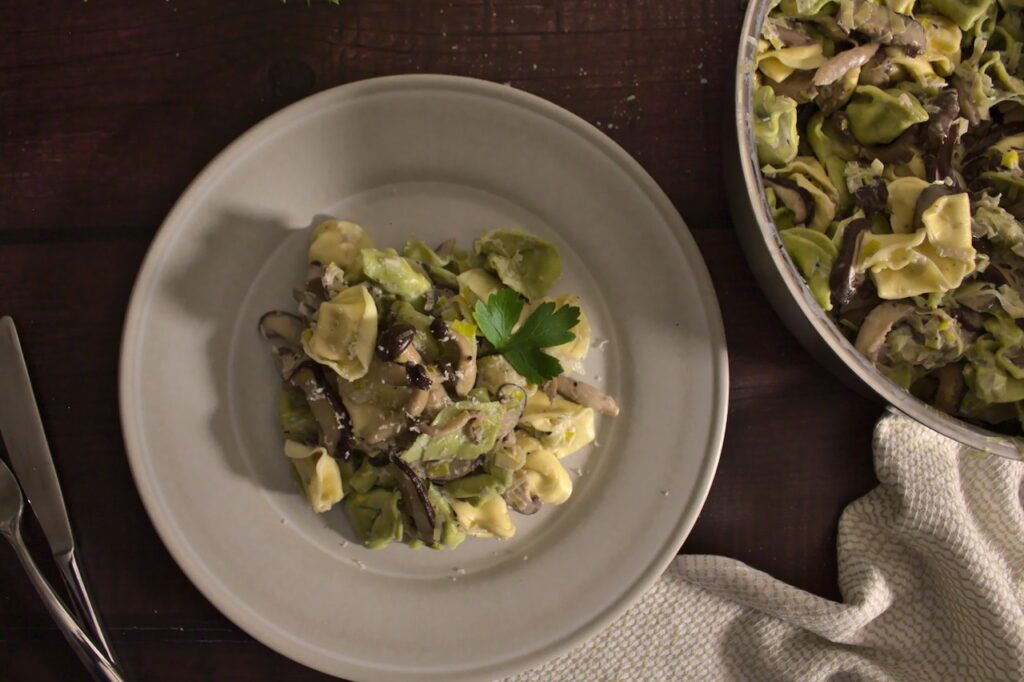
[{"x": 109, "y": 108}]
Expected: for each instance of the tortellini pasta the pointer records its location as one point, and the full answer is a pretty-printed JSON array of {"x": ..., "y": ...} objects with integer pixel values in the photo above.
[
  {"x": 809, "y": 175},
  {"x": 775, "y": 127},
  {"x": 966, "y": 13},
  {"x": 339, "y": 242},
  {"x": 814, "y": 254},
  {"x": 545, "y": 478},
  {"x": 344, "y": 333},
  {"x": 779, "y": 64},
  {"x": 523, "y": 261},
  {"x": 319, "y": 474},
  {"x": 487, "y": 518},
  {"x": 932, "y": 259},
  {"x": 903, "y": 195},
  {"x": 880, "y": 116},
  {"x": 394, "y": 273},
  {"x": 563, "y": 427}
]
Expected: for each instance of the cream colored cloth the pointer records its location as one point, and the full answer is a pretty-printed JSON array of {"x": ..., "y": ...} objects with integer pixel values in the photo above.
[{"x": 931, "y": 568}]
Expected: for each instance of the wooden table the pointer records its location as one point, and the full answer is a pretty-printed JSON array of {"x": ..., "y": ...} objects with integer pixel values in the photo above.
[{"x": 109, "y": 108}]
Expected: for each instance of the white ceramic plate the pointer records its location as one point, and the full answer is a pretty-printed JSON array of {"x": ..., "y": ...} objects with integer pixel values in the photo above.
[{"x": 431, "y": 157}]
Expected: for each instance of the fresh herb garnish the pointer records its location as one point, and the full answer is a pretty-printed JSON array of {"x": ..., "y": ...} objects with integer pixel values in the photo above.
[{"x": 545, "y": 327}]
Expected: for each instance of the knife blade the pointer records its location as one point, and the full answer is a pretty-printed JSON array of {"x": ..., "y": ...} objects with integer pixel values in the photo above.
[
  {"x": 22, "y": 431},
  {"x": 21, "y": 428}
]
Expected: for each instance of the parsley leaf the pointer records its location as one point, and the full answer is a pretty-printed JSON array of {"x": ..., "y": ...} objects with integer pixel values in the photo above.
[{"x": 545, "y": 327}]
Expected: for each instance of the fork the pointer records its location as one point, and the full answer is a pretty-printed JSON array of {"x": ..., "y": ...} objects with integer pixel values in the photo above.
[{"x": 12, "y": 506}]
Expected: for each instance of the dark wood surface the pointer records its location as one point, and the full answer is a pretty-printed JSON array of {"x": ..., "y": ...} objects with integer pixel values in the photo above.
[{"x": 109, "y": 108}]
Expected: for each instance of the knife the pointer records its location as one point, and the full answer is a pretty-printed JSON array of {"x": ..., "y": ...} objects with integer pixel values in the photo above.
[{"x": 23, "y": 435}]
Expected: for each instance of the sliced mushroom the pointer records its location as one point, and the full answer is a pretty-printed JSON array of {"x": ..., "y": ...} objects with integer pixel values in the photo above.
[
  {"x": 794, "y": 197},
  {"x": 393, "y": 341},
  {"x": 943, "y": 110},
  {"x": 799, "y": 86},
  {"x": 844, "y": 279},
  {"x": 877, "y": 326},
  {"x": 418, "y": 376},
  {"x": 454, "y": 425},
  {"x": 420, "y": 397},
  {"x": 520, "y": 497},
  {"x": 330, "y": 414},
  {"x": 879, "y": 71},
  {"x": 288, "y": 361},
  {"x": 465, "y": 365},
  {"x": 882, "y": 24},
  {"x": 951, "y": 388},
  {"x": 414, "y": 495},
  {"x": 586, "y": 395},
  {"x": 513, "y": 397},
  {"x": 847, "y": 60},
  {"x": 286, "y": 327},
  {"x": 872, "y": 196},
  {"x": 929, "y": 196}
]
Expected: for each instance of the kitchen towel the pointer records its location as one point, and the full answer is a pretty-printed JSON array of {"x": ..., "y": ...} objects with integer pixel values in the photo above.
[{"x": 931, "y": 569}]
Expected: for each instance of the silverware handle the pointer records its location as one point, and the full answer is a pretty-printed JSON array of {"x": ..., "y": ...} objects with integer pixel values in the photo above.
[
  {"x": 82, "y": 603},
  {"x": 92, "y": 658}
]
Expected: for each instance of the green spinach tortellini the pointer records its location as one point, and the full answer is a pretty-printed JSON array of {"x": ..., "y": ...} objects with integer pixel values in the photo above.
[
  {"x": 522, "y": 261},
  {"x": 880, "y": 116},
  {"x": 775, "y": 127}
]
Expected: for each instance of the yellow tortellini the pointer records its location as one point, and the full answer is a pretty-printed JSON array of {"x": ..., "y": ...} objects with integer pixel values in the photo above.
[
  {"x": 779, "y": 64},
  {"x": 344, "y": 333},
  {"x": 488, "y": 518},
  {"x": 319, "y": 474},
  {"x": 808, "y": 174},
  {"x": 339, "y": 242},
  {"x": 880, "y": 116},
  {"x": 563, "y": 426},
  {"x": 932, "y": 259},
  {"x": 903, "y": 194},
  {"x": 545, "y": 477},
  {"x": 964, "y": 12}
]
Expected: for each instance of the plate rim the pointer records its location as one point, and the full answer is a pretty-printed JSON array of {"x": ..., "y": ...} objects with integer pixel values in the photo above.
[{"x": 195, "y": 568}]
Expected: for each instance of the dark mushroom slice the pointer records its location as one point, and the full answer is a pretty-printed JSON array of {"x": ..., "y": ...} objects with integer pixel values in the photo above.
[
  {"x": 879, "y": 71},
  {"x": 465, "y": 364},
  {"x": 519, "y": 498},
  {"x": 283, "y": 326},
  {"x": 882, "y": 24},
  {"x": 929, "y": 195},
  {"x": 794, "y": 197},
  {"x": 847, "y": 60},
  {"x": 393, "y": 341},
  {"x": 943, "y": 111},
  {"x": 330, "y": 414},
  {"x": 443, "y": 472},
  {"x": 951, "y": 388},
  {"x": 418, "y": 376},
  {"x": 799, "y": 86},
  {"x": 414, "y": 495},
  {"x": 844, "y": 279},
  {"x": 587, "y": 395},
  {"x": 288, "y": 361},
  {"x": 872, "y": 197}
]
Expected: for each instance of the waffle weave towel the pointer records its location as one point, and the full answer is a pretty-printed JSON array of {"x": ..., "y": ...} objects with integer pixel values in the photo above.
[{"x": 931, "y": 569}]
